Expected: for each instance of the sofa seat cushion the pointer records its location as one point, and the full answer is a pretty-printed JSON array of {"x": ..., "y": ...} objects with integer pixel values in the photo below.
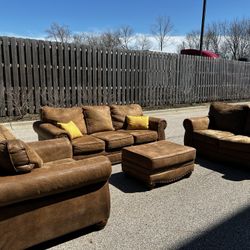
[
  {"x": 54, "y": 115},
  {"x": 61, "y": 176},
  {"x": 87, "y": 144},
  {"x": 119, "y": 113},
  {"x": 210, "y": 135},
  {"x": 237, "y": 143},
  {"x": 115, "y": 139},
  {"x": 142, "y": 136}
]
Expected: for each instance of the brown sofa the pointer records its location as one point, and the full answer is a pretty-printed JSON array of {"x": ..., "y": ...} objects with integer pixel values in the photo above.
[
  {"x": 44, "y": 193},
  {"x": 223, "y": 135},
  {"x": 103, "y": 127}
]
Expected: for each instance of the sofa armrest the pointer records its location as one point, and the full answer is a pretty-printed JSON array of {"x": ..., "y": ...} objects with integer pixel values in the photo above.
[
  {"x": 158, "y": 125},
  {"x": 48, "y": 131},
  {"x": 192, "y": 124},
  {"x": 196, "y": 123},
  {"x": 52, "y": 150}
]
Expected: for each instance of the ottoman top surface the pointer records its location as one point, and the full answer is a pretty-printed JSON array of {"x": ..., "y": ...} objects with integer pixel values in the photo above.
[{"x": 158, "y": 154}]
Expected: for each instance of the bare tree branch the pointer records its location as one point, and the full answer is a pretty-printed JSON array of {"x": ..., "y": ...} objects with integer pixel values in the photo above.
[
  {"x": 126, "y": 36},
  {"x": 59, "y": 33},
  {"x": 142, "y": 42},
  {"x": 161, "y": 30}
]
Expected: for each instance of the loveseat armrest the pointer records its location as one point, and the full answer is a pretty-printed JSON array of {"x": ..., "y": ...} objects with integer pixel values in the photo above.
[
  {"x": 192, "y": 124},
  {"x": 196, "y": 123},
  {"x": 48, "y": 131},
  {"x": 52, "y": 150},
  {"x": 159, "y": 125}
]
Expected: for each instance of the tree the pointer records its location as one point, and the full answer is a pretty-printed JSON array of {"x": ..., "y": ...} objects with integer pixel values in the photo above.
[
  {"x": 126, "y": 36},
  {"x": 59, "y": 33},
  {"x": 142, "y": 42},
  {"x": 237, "y": 38},
  {"x": 110, "y": 39},
  {"x": 161, "y": 30},
  {"x": 214, "y": 37}
]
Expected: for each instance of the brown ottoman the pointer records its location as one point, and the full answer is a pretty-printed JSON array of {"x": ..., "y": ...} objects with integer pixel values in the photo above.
[{"x": 158, "y": 162}]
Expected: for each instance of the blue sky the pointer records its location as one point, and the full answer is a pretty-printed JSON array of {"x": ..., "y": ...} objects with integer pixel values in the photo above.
[{"x": 32, "y": 18}]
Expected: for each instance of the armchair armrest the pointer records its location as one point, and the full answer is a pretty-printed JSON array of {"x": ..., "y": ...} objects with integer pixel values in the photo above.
[
  {"x": 158, "y": 125},
  {"x": 48, "y": 131},
  {"x": 52, "y": 150},
  {"x": 48, "y": 181},
  {"x": 196, "y": 123}
]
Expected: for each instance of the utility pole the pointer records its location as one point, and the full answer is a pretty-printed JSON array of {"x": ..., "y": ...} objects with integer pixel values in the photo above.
[{"x": 202, "y": 24}]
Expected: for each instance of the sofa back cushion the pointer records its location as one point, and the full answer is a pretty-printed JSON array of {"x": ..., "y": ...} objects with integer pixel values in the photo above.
[
  {"x": 228, "y": 117},
  {"x": 17, "y": 157},
  {"x": 119, "y": 113},
  {"x": 64, "y": 115},
  {"x": 97, "y": 118}
]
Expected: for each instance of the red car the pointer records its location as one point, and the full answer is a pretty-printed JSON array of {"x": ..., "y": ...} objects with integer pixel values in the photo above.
[{"x": 196, "y": 52}]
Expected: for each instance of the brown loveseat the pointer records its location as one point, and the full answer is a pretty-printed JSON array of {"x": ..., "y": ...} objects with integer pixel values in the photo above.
[
  {"x": 44, "y": 193},
  {"x": 223, "y": 135},
  {"x": 103, "y": 127}
]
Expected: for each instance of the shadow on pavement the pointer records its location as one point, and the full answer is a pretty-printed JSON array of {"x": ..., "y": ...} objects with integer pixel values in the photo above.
[
  {"x": 64, "y": 238},
  {"x": 127, "y": 184},
  {"x": 230, "y": 172},
  {"x": 233, "y": 233}
]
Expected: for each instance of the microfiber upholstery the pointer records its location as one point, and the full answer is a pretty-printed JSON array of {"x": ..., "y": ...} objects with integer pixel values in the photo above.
[
  {"x": 224, "y": 135},
  {"x": 17, "y": 157},
  {"x": 119, "y": 113},
  {"x": 142, "y": 136},
  {"x": 228, "y": 117},
  {"x": 237, "y": 143},
  {"x": 211, "y": 136},
  {"x": 115, "y": 139},
  {"x": 87, "y": 144},
  {"x": 5, "y": 134},
  {"x": 98, "y": 118},
  {"x": 64, "y": 115},
  {"x": 247, "y": 125}
]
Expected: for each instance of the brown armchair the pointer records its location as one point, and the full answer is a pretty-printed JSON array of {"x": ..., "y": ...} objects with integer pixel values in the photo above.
[{"x": 59, "y": 196}]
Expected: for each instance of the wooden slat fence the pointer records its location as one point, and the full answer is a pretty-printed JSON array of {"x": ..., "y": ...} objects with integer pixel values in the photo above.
[{"x": 34, "y": 73}]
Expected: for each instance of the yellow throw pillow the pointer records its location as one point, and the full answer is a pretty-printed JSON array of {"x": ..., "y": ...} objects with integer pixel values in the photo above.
[
  {"x": 137, "y": 122},
  {"x": 71, "y": 128}
]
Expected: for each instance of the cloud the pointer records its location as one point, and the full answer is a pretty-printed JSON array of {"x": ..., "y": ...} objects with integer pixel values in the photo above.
[{"x": 171, "y": 44}]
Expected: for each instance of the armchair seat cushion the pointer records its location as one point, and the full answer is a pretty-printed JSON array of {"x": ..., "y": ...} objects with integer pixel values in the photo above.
[
  {"x": 142, "y": 136},
  {"x": 58, "y": 177},
  {"x": 87, "y": 144},
  {"x": 237, "y": 143},
  {"x": 211, "y": 136},
  {"x": 115, "y": 139}
]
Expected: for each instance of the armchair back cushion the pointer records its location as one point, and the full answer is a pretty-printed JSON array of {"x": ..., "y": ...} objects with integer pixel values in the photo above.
[
  {"x": 119, "y": 113},
  {"x": 247, "y": 126},
  {"x": 17, "y": 157},
  {"x": 228, "y": 117},
  {"x": 64, "y": 115},
  {"x": 97, "y": 119}
]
